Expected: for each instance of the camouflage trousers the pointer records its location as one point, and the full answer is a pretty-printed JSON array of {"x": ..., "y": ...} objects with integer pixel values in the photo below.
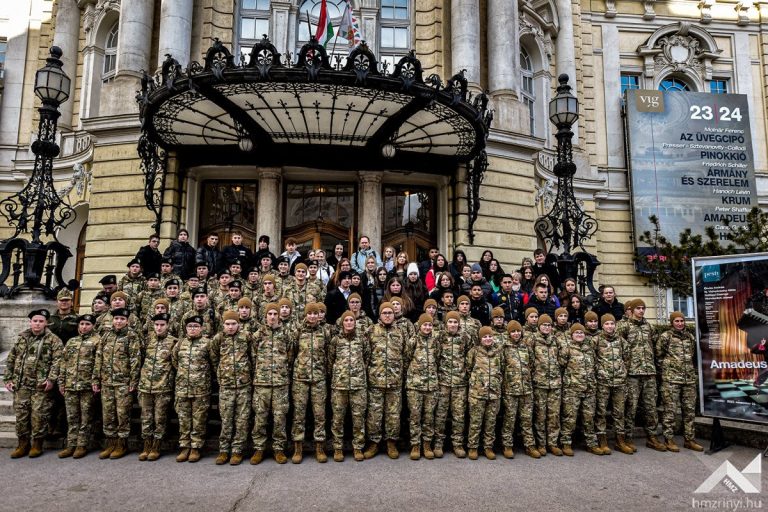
[
  {"x": 303, "y": 393},
  {"x": 79, "y": 405},
  {"x": 676, "y": 397},
  {"x": 384, "y": 404},
  {"x": 33, "y": 411},
  {"x": 357, "y": 401},
  {"x": 421, "y": 405},
  {"x": 193, "y": 418},
  {"x": 235, "y": 411},
  {"x": 451, "y": 399},
  {"x": 268, "y": 399},
  {"x": 573, "y": 401},
  {"x": 518, "y": 406},
  {"x": 641, "y": 389},
  {"x": 546, "y": 416},
  {"x": 616, "y": 395},
  {"x": 154, "y": 414},
  {"x": 482, "y": 419},
  {"x": 116, "y": 403}
]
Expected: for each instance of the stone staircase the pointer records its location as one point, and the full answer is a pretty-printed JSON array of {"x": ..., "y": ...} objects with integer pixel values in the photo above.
[{"x": 7, "y": 418}]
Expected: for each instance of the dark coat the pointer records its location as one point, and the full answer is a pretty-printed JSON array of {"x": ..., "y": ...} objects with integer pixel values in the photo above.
[
  {"x": 212, "y": 256},
  {"x": 602, "y": 307},
  {"x": 336, "y": 305},
  {"x": 183, "y": 258},
  {"x": 150, "y": 260}
]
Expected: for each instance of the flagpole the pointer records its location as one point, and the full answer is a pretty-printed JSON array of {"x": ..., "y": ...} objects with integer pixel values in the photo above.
[
  {"x": 309, "y": 27},
  {"x": 338, "y": 31}
]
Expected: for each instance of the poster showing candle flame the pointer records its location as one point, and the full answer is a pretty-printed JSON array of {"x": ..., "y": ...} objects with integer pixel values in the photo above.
[{"x": 731, "y": 301}]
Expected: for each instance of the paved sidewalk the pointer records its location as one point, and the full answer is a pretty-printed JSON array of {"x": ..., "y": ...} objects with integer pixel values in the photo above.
[{"x": 644, "y": 482}]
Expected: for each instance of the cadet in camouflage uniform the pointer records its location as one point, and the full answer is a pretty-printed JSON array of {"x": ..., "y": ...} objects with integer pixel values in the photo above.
[
  {"x": 315, "y": 288},
  {"x": 485, "y": 366},
  {"x": 133, "y": 283},
  {"x": 611, "y": 383},
  {"x": 158, "y": 307},
  {"x": 591, "y": 328},
  {"x": 63, "y": 323},
  {"x": 497, "y": 324},
  {"x": 147, "y": 297},
  {"x": 355, "y": 303},
  {"x": 76, "y": 385},
  {"x": 676, "y": 350},
  {"x": 546, "y": 388},
  {"x": 517, "y": 391},
  {"x": 561, "y": 329},
  {"x": 287, "y": 318},
  {"x": 272, "y": 352},
  {"x": 267, "y": 296},
  {"x": 231, "y": 354},
  {"x": 284, "y": 281},
  {"x": 176, "y": 306},
  {"x": 385, "y": 382},
  {"x": 348, "y": 356},
  {"x": 192, "y": 360},
  {"x": 452, "y": 376},
  {"x": 230, "y": 301},
  {"x": 248, "y": 322},
  {"x": 467, "y": 324},
  {"x": 401, "y": 322},
  {"x": 116, "y": 376},
  {"x": 156, "y": 385},
  {"x": 31, "y": 370},
  {"x": 166, "y": 272},
  {"x": 119, "y": 300},
  {"x": 420, "y": 358},
  {"x": 297, "y": 293},
  {"x": 641, "y": 376},
  {"x": 430, "y": 307},
  {"x": 217, "y": 295},
  {"x": 202, "y": 308},
  {"x": 309, "y": 371},
  {"x": 578, "y": 361},
  {"x": 252, "y": 284},
  {"x": 531, "y": 327}
]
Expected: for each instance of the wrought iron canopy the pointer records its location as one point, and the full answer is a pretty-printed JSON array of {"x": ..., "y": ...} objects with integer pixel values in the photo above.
[{"x": 267, "y": 112}]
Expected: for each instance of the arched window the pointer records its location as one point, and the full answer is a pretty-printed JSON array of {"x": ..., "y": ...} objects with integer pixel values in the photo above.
[
  {"x": 110, "y": 54},
  {"x": 671, "y": 84},
  {"x": 529, "y": 94}
]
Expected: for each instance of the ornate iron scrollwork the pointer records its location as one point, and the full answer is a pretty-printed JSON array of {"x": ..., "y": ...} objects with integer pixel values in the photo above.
[
  {"x": 362, "y": 62},
  {"x": 154, "y": 163},
  {"x": 409, "y": 71},
  {"x": 457, "y": 86},
  {"x": 313, "y": 58},
  {"x": 218, "y": 58},
  {"x": 475, "y": 176},
  {"x": 264, "y": 56},
  {"x": 33, "y": 266}
]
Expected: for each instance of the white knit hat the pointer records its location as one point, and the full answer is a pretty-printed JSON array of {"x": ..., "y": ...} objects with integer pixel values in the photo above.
[{"x": 412, "y": 269}]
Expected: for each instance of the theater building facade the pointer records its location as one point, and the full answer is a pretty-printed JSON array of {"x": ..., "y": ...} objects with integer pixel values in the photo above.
[{"x": 390, "y": 141}]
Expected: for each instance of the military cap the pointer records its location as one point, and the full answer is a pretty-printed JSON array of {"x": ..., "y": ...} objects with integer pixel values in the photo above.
[
  {"x": 354, "y": 296},
  {"x": 264, "y": 238},
  {"x": 169, "y": 261},
  {"x": 281, "y": 259},
  {"x": 253, "y": 270},
  {"x": 162, "y": 300},
  {"x": 108, "y": 279},
  {"x": 497, "y": 312},
  {"x": 530, "y": 311},
  {"x": 134, "y": 261},
  {"x": 202, "y": 264},
  {"x": 103, "y": 298},
  {"x": 514, "y": 325},
  {"x": 590, "y": 316},
  {"x": 200, "y": 290},
  {"x": 225, "y": 273},
  {"x": 310, "y": 308},
  {"x": 298, "y": 266},
  {"x": 430, "y": 302},
  {"x": 230, "y": 315},
  {"x": 544, "y": 319},
  {"x": 560, "y": 311},
  {"x": 424, "y": 318},
  {"x": 399, "y": 300},
  {"x": 271, "y": 307},
  {"x": 577, "y": 327},
  {"x": 64, "y": 294},
  {"x": 385, "y": 305},
  {"x": 485, "y": 331},
  {"x": 322, "y": 308},
  {"x": 161, "y": 317},
  {"x": 194, "y": 319},
  {"x": 346, "y": 314},
  {"x": 312, "y": 262},
  {"x": 269, "y": 278},
  {"x": 639, "y": 303},
  {"x": 607, "y": 318},
  {"x": 236, "y": 284},
  {"x": 86, "y": 318},
  {"x": 153, "y": 275},
  {"x": 39, "y": 312},
  {"x": 244, "y": 302},
  {"x": 462, "y": 298},
  {"x": 453, "y": 315},
  {"x": 119, "y": 295},
  {"x": 675, "y": 314},
  {"x": 172, "y": 282},
  {"x": 235, "y": 262},
  {"x": 120, "y": 312},
  {"x": 285, "y": 302}
]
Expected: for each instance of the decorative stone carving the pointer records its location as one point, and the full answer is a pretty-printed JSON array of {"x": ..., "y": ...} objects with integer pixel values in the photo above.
[
  {"x": 543, "y": 39},
  {"x": 649, "y": 13},
  {"x": 610, "y": 8},
  {"x": 93, "y": 15},
  {"x": 742, "y": 9},
  {"x": 680, "y": 48},
  {"x": 705, "y": 6},
  {"x": 80, "y": 179}
]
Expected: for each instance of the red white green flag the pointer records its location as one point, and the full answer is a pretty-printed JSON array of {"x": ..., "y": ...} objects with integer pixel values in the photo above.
[{"x": 324, "y": 27}]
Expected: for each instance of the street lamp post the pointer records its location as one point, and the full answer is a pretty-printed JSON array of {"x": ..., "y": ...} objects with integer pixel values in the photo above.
[
  {"x": 37, "y": 208},
  {"x": 567, "y": 226}
]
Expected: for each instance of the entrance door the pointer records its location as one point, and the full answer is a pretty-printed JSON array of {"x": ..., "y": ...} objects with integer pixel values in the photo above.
[
  {"x": 409, "y": 220},
  {"x": 228, "y": 206},
  {"x": 79, "y": 259},
  {"x": 318, "y": 216}
]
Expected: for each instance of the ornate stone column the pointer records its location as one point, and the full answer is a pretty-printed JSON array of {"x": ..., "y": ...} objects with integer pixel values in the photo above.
[
  {"x": 175, "y": 30},
  {"x": 66, "y": 37},
  {"x": 370, "y": 208},
  {"x": 503, "y": 71},
  {"x": 268, "y": 207},
  {"x": 465, "y": 39},
  {"x": 134, "y": 40}
]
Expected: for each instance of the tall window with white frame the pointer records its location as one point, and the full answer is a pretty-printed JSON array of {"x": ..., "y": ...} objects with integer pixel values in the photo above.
[
  {"x": 254, "y": 24},
  {"x": 110, "y": 54},
  {"x": 394, "y": 32},
  {"x": 529, "y": 95},
  {"x": 718, "y": 86}
]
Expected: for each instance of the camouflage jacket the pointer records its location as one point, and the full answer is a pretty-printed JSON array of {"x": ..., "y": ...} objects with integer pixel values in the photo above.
[
  {"x": 592, "y": 337},
  {"x": 284, "y": 285},
  {"x": 518, "y": 368},
  {"x": 227, "y": 304},
  {"x": 216, "y": 296},
  {"x": 311, "y": 354},
  {"x": 118, "y": 359},
  {"x": 315, "y": 291},
  {"x": 452, "y": 364},
  {"x": 676, "y": 351},
  {"x": 157, "y": 371},
  {"x": 578, "y": 362},
  {"x": 486, "y": 372},
  {"x": 529, "y": 335},
  {"x": 272, "y": 352},
  {"x": 145, "y": 300},
  {"x": 421, "y": 356},
  {"x": 33, "y": 359},
  {"x": 348, "y": 357},
  {"x": 470, "y": 326},
  {"x": 104, "y": 324},
  {"x": 546, "y": 367},
  {"x": 362, "y": 323},
  {"x": 406, "y": 327},
  {"x": 385, "y": 369},
  {"x": 298, "y": 297},
  {"x": 211, "y": 321},
  {"x": 260, "y": 306},
  {"x": 609, "y": 360},
  {"x": 251, "y": 290},
  {"x": 132, "y": 286},
  {"x": 78, "y": 360},
  {"x": 164, "y": 278},
  {"x": 192, "y": 361},
  {"x": 640, "y": 344},
  {"x": 231, "y": 355},
  {"x": 65, "y": 327},
  {"x": 249, "y": 325}
]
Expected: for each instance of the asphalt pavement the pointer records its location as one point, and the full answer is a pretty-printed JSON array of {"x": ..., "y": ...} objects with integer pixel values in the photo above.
[{"x": 646, "y": 481}]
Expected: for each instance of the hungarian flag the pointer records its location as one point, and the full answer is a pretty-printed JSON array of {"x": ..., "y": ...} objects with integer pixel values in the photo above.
[
  {"x": 349, "y": 28},
  {"x": 324, "y": 26}
]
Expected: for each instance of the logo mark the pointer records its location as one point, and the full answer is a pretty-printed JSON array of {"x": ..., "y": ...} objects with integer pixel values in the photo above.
[{"x": 746, "y": 480}]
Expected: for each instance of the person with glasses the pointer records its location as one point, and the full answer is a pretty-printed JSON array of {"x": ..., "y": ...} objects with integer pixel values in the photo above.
[{"x": 547, "y": 382}]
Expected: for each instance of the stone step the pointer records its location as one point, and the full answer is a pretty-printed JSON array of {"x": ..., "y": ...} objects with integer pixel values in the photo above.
[
  {"x": 8, "y": 439},
  {"x": 7, "y": 422}
]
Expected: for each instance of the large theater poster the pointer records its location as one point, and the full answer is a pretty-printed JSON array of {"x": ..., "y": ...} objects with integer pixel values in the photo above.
[{"x": 732, "y": 334}]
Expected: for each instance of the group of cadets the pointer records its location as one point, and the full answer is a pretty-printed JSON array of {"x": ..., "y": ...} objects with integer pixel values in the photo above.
[{"x": 271, "y": 338}]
